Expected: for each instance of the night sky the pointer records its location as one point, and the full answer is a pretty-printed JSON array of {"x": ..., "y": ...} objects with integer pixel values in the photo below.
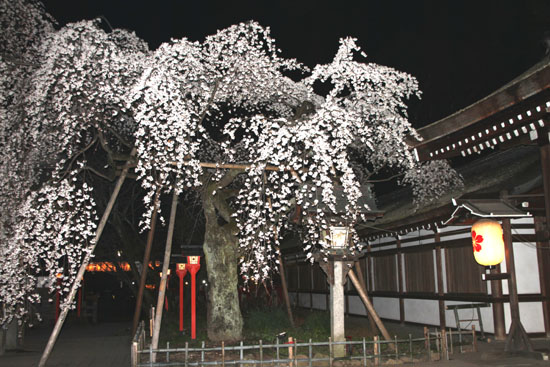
[{"x": 460, "y": 51}]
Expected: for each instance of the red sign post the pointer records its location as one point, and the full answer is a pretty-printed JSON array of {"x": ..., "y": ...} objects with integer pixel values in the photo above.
[
  {"x": 193, "y": 265},
  {"x": 181, "y": 271}
]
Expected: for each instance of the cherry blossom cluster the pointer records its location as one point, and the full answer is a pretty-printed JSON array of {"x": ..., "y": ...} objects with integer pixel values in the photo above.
[
  {"x": 62, "y": 91},
  {"x": 227, "y": 99},
  {"x": 187, "y": 87},
  {"x": 54, "y": 229}
]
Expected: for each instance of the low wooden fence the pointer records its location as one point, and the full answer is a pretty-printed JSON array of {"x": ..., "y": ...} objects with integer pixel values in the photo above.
[{"x": 434, "y": 345}]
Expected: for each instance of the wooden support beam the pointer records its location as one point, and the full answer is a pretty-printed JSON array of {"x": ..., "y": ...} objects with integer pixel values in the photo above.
[
  {"x": 85, "y": 262},
  {"x": 517, "y": 340},
  {"x": 146, "y": 256},
  {"x": 164, "y": 278},
  {"x": 498, "y": 306},
  {"x": 440, "y": 290},
  {"x": 370, "y": 308}
]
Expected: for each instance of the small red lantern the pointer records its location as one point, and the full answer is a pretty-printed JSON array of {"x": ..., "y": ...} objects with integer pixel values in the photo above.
[
  {"x": 193, "y": 265},
  {"x": 181, "y": 271},
  {"x": 488, "y": 242}
]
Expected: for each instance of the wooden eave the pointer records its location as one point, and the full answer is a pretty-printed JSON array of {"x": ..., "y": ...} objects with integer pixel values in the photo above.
[{"x": 520, "y": 108}]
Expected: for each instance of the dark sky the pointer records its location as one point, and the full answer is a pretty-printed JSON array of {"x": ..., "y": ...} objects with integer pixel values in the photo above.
[{"x": 460, "y": 51}]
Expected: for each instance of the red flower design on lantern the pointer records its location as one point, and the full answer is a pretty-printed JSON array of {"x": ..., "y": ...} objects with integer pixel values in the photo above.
[{"x": 477, "y": 239}]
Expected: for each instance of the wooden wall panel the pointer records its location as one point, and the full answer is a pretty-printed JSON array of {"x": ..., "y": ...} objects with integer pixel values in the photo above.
[
  {"x": 385, "y": 273},
  {"x": 463, "y": 273},
  {"x": 419, "y": 271}
]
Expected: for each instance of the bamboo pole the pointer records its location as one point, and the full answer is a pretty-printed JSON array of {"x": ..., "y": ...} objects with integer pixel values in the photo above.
[
  {"x": 145, "y": 264},
  {"x": 70, "y": 298},
  {"x": 165, "y": 266},
  {"x": 369, "y": 306}
]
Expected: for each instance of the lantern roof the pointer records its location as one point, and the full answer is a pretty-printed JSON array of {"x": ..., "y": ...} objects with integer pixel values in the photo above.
[{"x": 485, "y": 208}]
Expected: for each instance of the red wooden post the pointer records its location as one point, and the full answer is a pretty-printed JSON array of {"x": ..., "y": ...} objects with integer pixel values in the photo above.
[
  {"x": 193, "y": 263},
  {"x": 181, "y": 271}
]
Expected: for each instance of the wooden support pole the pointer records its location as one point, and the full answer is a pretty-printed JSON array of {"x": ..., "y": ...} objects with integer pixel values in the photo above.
[
  {"x": 517, "y": 339},
  {"x": 85, "y": 262},
  {"x": 285, "y": 289},
  {"x": 543, "y": 227},
  {"x": 361, "y": 277},
  {"x": 370, "y": 280},
  {"x": 369, "y": 306},
  {"x": 165, "y": 267},
  {"x": 545, "y": 167},
  {"x": 145, "y": 264},
  {"x": 281, "y": 268},
  {"x": 498, "y": 306},
  {"x": 440, "y": 285}
]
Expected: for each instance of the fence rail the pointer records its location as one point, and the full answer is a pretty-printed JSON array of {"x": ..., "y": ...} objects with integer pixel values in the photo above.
[{"x": 434, "y": 345}]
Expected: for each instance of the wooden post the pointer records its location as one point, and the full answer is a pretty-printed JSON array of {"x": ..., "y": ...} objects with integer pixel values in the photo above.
[
  {"x": 543, "y": 248},
  {"x": 517, "y": 339},
  {"x": 291, "y": 350},
  {"x": 444, "y": 347},
  {"x": 145, "y": 264},
  {"x": 164, "y": 278},
  {"x": 281, "y": 267},
  {"x": 370, "y": 279},
  {"x": 439, "y": 269},
  {"x": 543, "y": 257},
  {"x": 376, "y": 350},
  {"x": 85, "y": 262},
  {"x": 361, "y": 278},
  {"x": 498, "y": 306},
  {"x": 474, "y": 339},
  {"x": 545, "y": 165},
  {"x": 428, "y": 343},
  {"x": 285, "y": 290}
]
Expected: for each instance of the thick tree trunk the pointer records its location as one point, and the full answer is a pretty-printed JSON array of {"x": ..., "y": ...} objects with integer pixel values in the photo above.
[{"x": 224, "y": 318}]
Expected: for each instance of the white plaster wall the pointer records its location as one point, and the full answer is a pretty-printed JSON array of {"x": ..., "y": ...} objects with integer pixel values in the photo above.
[
  {"x": 387, "y": 308},
  {"x": 455, "y": 236},
  {"x": 292, "y": 297},
  {"x": 383, "y": 240},
  {"x": 421, "y": 311},
  {"x": 530, "y": 314},
  {"x": 356, "y": 306},
  {"x": 454, "y": 228},
  {"x": 527, "y": 274},
  {"x": 304, "y": 300},
  {"x": 527, "y": 220},
  {"x": 319, "y": 301}
]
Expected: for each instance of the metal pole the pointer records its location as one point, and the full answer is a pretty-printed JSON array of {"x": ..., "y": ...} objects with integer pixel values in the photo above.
[
  {"x": 85, "y": 262},
  {"x": 165, "y": 267}
]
